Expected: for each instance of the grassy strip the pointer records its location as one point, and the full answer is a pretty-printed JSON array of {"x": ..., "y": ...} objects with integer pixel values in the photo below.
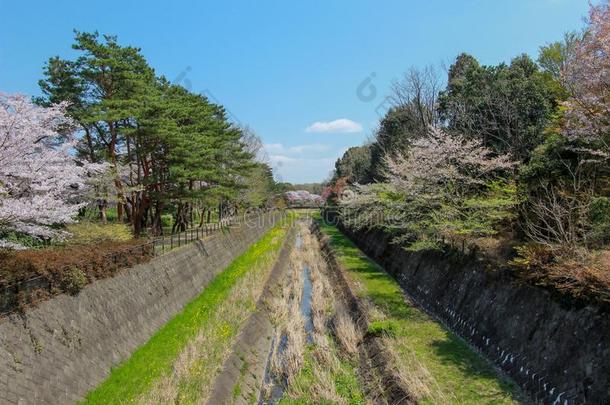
[
  {"x": 439, "y": 366},
  {"x": 156, "y": 357},
  {"x": 198, "y": 364}
]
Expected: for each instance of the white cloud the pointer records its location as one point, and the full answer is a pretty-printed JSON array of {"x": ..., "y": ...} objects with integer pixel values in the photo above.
[
  {"x": 281, "y": 159},
  {"x": 302, "y": 163},
  {"x": 278, "y": 148},
  {"x": 336, "y": 126}
]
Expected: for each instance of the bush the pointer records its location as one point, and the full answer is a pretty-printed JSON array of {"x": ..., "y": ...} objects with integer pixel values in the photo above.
[
  {"x": 167, "y": 220},
  {"x": 27, "y": 241},
  {"x": 73, "y": 280},
  {"x": 34, "y": 274},
  {"x": 580, "y": 276}
]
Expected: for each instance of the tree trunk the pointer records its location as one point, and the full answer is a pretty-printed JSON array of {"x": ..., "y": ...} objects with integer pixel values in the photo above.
[
  {"x": 156, "y": 223},
  {"x": 102, "y": 206}
]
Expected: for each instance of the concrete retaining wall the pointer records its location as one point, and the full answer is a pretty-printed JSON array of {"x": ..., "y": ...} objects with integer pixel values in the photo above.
[
  {"x": 557, "y": 353},
  {"x": 56, "y": 353}
]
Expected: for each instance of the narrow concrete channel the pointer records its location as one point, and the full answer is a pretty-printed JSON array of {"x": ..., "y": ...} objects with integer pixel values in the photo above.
[{"x": 315, "y": 339}]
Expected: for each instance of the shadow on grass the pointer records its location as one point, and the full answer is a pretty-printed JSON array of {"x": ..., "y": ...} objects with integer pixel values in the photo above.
[{"x": 453, "y": 350}]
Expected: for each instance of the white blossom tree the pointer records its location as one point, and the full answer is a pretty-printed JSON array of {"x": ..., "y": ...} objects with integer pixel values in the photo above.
[
  {"x": 586, "y": 75},
  {"x": 444, "y": 186},
  {"x": 41, "y": 181}
]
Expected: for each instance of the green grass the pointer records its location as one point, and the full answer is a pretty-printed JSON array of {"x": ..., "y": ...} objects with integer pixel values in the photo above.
[
  {"x": 457, "y": 374},
  {"x": 154, "y": 359},
  {"x": 87, "y": 232}
]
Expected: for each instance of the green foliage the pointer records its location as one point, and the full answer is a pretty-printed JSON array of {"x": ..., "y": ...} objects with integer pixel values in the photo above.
[
  {"x": 259, "y": 187},
  {"x": 386, "y": 327},
  {"x": 167, "y": 220},
  {"x": 506, "y": 106},
  {"x": 355, "y": 165},
  {"x": 552, "y": 57},
  {"x": 27, "y": 241},
  {"x": 599, "y": 217},
  {"x": 558, "y": 189},
  {"x": 73, "y": 280},
  {"x": 168, "y": 147}
]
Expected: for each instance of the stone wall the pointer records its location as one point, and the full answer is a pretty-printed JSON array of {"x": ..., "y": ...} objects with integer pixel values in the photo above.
[
  {"x": 559, "y": 354},
  {"x": 62, "y": 349}
]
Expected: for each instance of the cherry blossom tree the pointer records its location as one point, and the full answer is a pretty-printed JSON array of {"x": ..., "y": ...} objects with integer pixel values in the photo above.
[
  {"x": 303, "y": 197},
  {"x": 437, "y": 161},
  {"x": 587, "y": 77},
  {"x": 445, "y": 187},
  {"x": 41, "y": 181}
]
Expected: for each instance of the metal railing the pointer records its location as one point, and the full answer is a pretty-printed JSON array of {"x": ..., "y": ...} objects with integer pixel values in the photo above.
[{"x": 165, "y": 243}]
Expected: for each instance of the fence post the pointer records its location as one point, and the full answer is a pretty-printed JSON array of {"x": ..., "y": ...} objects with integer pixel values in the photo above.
[{"x": 171, "y": 241}]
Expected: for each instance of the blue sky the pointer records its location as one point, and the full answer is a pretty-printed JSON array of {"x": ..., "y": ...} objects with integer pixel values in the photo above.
[{"x": 289, "y": 70}]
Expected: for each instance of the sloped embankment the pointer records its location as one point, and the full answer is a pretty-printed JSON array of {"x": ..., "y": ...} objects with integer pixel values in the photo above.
[
  {"x": 179, "y": 363},
  {"x": 413, "y": 356},
  {"x": 58, "y": 351},
  {"x": 557, "y": 353}
]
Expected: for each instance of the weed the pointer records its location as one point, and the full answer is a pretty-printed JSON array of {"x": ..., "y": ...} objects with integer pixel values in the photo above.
[{"x": 385, "y": 328}]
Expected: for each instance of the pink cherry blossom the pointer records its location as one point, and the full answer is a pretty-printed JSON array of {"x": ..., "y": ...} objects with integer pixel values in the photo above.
[
  {"x": 41, "y": 181},
  {"x": 587, "y": 76}
]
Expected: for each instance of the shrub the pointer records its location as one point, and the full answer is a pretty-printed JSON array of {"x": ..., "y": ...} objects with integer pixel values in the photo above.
[
  {"x": 34, "y": 274},
  {"x": 112, "y": 214},
  {"x": 167, "y": 220},
  {"x": 26, "y": 241},
  {"x": 73, "y": 280},
  {"x": 580, "y": 276}
]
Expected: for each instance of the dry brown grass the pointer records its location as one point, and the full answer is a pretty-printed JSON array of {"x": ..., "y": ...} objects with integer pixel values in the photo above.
[
  {"x": 289, "y": 320},
  {"x": 323, "y": 357},
  {"x": 295, "y": 344},
  {"x": 413, "y": 374},
  {"x": 346, "y": 332}
]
